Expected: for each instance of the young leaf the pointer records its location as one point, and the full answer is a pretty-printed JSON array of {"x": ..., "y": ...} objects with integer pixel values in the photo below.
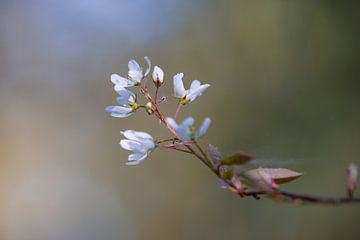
[
  {"x": 238, "y": 158},
  {"x": 215, "y": 154},
  {"x": 226, "y": 172},
  {"x": 280, "y": 175},
  {"x": 262, "y": 180}
]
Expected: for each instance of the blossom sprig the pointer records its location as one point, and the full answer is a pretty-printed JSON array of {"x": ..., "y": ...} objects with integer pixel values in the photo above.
[
  {"x": 183, "y": 135},
  {"x": 231, "y": 171}
]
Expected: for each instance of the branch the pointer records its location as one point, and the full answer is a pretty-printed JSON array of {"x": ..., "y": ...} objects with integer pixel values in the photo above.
[{"x": 303, "y": 198}]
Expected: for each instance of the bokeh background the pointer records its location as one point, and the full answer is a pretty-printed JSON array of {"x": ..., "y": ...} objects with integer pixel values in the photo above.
[{"x": 285, "y": 87}]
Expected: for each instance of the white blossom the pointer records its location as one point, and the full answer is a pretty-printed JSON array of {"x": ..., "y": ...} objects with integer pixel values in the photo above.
[
  {"x": 135, "y": 75},
  {"x": 158, "y": 76},
  {"x": 186, "y": 96},
  {"x": 141, "y": 143},
  {"x": 127, "y": 104},
  {"x": 186, "y": 131}
]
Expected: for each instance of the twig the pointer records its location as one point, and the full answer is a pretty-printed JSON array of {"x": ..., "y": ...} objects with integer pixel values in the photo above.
[
  {"x": 303, "y": 198},
  {"x": 177, "y": 110}
]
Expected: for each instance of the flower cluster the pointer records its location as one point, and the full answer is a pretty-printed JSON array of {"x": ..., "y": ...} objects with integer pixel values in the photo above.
[{"x": 183, "y": 135}]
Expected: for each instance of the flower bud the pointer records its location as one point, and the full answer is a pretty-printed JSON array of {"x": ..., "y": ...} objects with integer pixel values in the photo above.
[
  {"x": 158, "y": 76},
  {"x": 352, "y": 173},
  {"x": 149, "y": 108}
]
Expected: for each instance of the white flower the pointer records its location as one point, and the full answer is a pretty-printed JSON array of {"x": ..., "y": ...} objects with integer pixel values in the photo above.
[
  {"x": 186, "y": 131},
  {"x": 158, "y": 76},
  {"x": 186, "y": 96},
  {"x": 127, "y": 104},
  {"x": 135, "y": 75},
  {"x": 141, "y": 143}
]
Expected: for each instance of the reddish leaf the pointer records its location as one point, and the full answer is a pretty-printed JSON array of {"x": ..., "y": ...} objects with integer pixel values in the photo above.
[
  {"x": 280, "y": 175},
  {"x": 262, "y": 180}
]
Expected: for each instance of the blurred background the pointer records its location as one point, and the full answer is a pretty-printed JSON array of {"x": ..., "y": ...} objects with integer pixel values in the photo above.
[{"x": 285, "y": 87}]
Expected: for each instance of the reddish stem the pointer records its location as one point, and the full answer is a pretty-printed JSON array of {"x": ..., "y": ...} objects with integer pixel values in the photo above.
[
  {"x": 177, "y": 110},
  {"x": 175, "y": 148}
]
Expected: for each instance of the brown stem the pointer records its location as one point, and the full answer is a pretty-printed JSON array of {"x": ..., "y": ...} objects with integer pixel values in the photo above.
[
  {"x": 166, "y": 140},
  {"x": 177, "y": 110},
  {"x": 201, "y": 158},
  {"x": 303, "y": 198},
  {"x": 175, "y": 148},
  {"x": 204, "y": 155},
  {"x": 156, "y": 93},
  {"x": 157, "y": 110}
]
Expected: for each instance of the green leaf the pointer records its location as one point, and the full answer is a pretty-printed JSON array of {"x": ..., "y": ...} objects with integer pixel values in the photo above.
[
  {"x": 238, "y": 158},
  {"x": 280, "y": 175},
  {"x": 226, "y": 172}
]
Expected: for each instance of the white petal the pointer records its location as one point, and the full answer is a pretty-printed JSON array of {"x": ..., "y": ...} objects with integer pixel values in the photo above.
[
  {"x": 194, "y": 85},
  {"x": 132, "y": 145},
  {"x": 134, "y": 66},
  {"x": 147, "y": 59},
  {"x": 121, "y": 82},
  {"x": 136, "y": 135},
  {"x": 171, "y": 123},
  {"x": 203, "y": 127},
  {"x": 119, "y": 111},
  {"x": 148, "y": 144},
  {"x": 198, "y": 92},
  {"x": 179, "y": 90},
  {"x": 133, "y": 163},
  {"x": 125, "y": 96},
  {"x": 158, "y": 74},
  {"x": 188, "y": 122},
  {"x": 135, "y": 71},
  {"x": 184, "y": 133},
  {"x": 138, "y": 157}
]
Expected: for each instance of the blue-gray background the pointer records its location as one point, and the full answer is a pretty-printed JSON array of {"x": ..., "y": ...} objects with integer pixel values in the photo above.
[{"x": 285, "y": 87}]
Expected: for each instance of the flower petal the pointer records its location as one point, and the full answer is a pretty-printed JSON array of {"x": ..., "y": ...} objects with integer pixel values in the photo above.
[
  {"x": 194, "y": 85},
  {"x": 147, "y": 59},
  {"x": 198, "y": 92},
  {"x": 134, "y": 66},
  {"x": 148, "y": 144},
  {"x": 119, "y": 111},
  {"x": 203, "y": 127},
  {"x": 132, "y": 163},
  {"x": 188, "y": 122},
  {"x": 171, "y": 122},
  {"x": 136, "y": 135},
  {"x": 184, "y": 133},
  {"x": 135, "y": 71},
  {"x": 179, "y": 90},
  {"x": 138, "y": 156},
  {"x": 132, "y": 145},
  {"x": 125, "y": 96},
  {"x": 120, "y": 82}
]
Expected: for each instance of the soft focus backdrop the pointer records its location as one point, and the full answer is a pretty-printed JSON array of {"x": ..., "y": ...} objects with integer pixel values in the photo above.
[{"x": 285, "y": 87}]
